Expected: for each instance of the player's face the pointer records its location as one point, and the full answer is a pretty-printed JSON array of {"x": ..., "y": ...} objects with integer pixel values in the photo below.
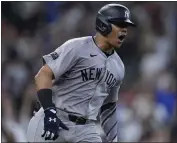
[{"x": 117, "y": 36}]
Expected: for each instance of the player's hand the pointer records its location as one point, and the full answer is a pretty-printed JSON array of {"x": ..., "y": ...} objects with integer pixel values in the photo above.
[{"x": 52, "y": 124}]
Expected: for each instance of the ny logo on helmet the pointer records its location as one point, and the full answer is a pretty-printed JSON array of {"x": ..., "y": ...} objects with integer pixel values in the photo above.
[
  {"x": 103, "y": 27},
  {"x": 127, "y": 14}
]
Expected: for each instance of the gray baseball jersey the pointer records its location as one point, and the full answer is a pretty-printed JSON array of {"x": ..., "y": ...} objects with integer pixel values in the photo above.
[{"x": 84, "y": 76}]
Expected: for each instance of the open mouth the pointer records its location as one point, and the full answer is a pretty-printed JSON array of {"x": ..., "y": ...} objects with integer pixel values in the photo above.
[{"x": 121, "y": 37}]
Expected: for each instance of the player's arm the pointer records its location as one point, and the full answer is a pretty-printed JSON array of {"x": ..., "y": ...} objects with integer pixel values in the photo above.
[
  {"x": 108, "y": 118},
  {"x": 43, "y": 81},
  {"x": 115, "y": 92},
  {"x": 56, "y": 64},
  {"x": 113, "y": 95},
  {"x": 43, "y": 78}
]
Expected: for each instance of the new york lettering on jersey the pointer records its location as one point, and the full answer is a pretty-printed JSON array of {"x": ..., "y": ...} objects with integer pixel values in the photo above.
[{"x": 94, "y": 74}]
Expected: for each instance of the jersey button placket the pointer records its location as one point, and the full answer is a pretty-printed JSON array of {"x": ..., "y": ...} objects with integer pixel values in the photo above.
[{"x": 101, "y": 80}]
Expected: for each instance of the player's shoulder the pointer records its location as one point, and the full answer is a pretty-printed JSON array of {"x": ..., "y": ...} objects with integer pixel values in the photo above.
[
  {"x": 79, "y": 40},
  {"x": 76, "y": 43}
]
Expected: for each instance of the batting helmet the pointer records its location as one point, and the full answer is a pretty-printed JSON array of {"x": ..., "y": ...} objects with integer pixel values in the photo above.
[{"x": 112, "y": 14}]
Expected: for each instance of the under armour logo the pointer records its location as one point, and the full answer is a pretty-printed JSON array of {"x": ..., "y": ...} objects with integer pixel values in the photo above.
[
  {"x": 50, "y": 119},
  {"x": 127, "y": 14}
]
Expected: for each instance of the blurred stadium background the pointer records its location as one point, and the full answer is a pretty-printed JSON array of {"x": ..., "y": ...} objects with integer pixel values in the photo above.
[{"x": 147, "y": 99}]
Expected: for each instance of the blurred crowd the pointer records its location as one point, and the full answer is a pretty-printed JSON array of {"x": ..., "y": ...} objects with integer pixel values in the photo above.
[{"x": 147, "y": 98}]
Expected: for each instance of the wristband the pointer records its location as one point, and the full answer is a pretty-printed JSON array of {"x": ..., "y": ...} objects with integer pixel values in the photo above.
[{"x": 45, "y": 98}]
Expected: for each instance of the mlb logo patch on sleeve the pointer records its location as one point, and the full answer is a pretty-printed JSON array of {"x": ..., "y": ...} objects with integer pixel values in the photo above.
[{"x": 54, "y": 55}]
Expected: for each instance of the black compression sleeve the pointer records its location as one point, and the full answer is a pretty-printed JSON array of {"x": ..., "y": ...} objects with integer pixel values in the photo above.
[{"x": 45, "y": 98}]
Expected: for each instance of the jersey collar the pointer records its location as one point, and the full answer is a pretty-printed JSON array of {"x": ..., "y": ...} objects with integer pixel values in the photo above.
[{"x": 102, "y": 52}]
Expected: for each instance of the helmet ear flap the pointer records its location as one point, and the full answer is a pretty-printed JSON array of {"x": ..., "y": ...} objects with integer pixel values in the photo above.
[{"x": 102, "y": 25}]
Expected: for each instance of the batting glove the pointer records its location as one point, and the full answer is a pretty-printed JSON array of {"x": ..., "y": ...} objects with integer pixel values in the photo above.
[{"x": 52, "y": 124}]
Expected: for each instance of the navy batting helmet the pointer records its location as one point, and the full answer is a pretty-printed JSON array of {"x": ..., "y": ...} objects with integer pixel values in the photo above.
[{"x": 112, "y": 14}]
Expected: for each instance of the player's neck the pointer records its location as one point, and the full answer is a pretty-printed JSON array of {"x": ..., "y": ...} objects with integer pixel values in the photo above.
[{"x": 101, "y": 43}]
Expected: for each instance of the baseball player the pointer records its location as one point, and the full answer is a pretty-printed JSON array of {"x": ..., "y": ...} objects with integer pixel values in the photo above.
[{"x": 79, "y": 81}]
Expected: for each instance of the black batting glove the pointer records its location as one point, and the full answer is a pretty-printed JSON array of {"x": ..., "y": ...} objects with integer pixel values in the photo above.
[{"x": 52, "y": 124}]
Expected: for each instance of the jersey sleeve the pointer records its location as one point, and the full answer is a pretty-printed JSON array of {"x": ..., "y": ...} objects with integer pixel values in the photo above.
[
  {"x": 115, "y": 92},
  {"x": 62, "y": 59}
]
